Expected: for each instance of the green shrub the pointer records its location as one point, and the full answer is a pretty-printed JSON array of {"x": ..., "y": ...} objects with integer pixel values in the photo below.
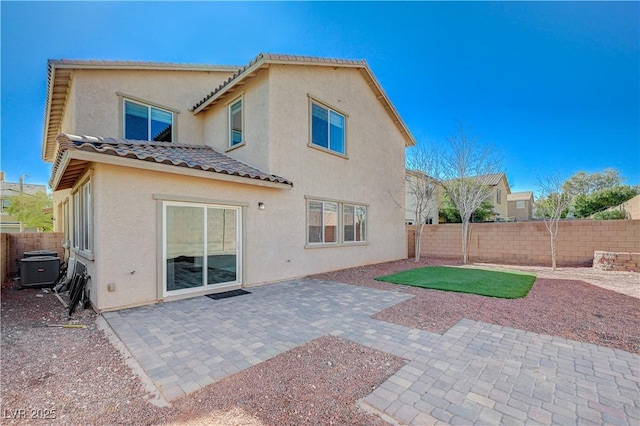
[
  {"x": 611, "y": 215},
  {"x": 586, "y": 205}
]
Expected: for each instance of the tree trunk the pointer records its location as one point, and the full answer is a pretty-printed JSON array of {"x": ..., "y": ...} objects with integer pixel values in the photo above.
[
  {"x": 418, "y": 242},
  {"x": 465, "y": 230},
  {"x": 553, "y": 252}
]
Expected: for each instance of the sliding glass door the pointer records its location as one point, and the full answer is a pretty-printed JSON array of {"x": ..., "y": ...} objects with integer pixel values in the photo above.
[{"x": 201, "y": 246}]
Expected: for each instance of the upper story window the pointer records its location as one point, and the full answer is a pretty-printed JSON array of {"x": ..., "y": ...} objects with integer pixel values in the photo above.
[
  {"x": 327, "y": 128},
  {"x": 147, "y": 123},
  {"x": 499, "y": 196},
  {"x": 236, "y": 123}
]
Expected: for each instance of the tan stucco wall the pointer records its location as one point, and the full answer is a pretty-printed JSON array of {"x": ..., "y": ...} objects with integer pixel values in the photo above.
[
  {"x": 276, "y": 107},
  {"x": 520, "y": 214},
  {"x": 68, "y": 122},
  {"x": 503, "y": 207},
  {"x": 373, "y": 171},
  {"x": 95, "y": 109},
  {"x": 58, "y": 199},
  {"x": 255, "y": 104},
  {"x": 126, "y": 238}
]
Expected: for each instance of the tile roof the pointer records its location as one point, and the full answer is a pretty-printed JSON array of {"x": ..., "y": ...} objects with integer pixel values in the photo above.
[
  {"x": 280, "y": 59},
  {"x": 419, "y": 173},
  {"x": 519, "y": 196},
  {"x": 263, "y": 60},
  {"x": 7, "y": 189},
  {"x": 198, "y": 157},
  {"x": 101, "y": 64},
  {"x": 492, "y": 179},
  {"x": 489, "y": 180}
]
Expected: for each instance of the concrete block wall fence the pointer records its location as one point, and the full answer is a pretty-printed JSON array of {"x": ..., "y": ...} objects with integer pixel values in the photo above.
[
  {"x": 4, "y": 259},
  {"x": 528, "y": 243}
]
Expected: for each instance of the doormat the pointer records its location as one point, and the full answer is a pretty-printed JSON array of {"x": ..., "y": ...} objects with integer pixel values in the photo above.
[{"x": 227, "y": 294}]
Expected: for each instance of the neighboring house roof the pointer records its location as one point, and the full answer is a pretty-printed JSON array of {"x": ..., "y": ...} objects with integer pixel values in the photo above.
[
  {"x": 492, "y": 179},
  {"x": 9, "y": 189},
  {"x": 489, "y": 180},
  {"x": 419, "y": 174},
  {"x": 520, "y": 196},
  {"x": 70, "y": 162},
  {"x": 59, "y": 80},
  {"x": 263, "y": 60}
]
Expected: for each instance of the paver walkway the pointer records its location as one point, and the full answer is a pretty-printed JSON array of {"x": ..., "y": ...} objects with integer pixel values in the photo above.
[{"x": 475, "y": 373}]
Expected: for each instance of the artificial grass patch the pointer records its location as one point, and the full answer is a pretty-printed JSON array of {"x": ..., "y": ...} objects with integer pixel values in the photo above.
[{"x": 506, "y": 285}]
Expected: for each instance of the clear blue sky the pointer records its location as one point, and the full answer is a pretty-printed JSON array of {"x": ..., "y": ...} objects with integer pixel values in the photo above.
[{"x": 554, "y": 85}]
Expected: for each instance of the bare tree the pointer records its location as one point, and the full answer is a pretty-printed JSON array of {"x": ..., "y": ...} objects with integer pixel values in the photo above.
[
  {"x": 468, "y": 164},
  {"x": 552, "y": 203},
  {"x": 423, "y": 179}
]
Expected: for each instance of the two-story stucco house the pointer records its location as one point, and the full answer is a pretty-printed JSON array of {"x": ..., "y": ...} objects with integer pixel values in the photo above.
[
  {"x": 174, "y": 180},
  {"x": 500, "y": 189}
]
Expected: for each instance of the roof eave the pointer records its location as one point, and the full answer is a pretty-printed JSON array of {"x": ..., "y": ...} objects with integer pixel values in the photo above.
[
  {"x": 95, "y": 157},
  {"x": 133, "y": 65},
  {"x": 223, "y": 91},
  {"x": 382, "y": 96},
  {"x": 54, "y": 182},
  {"x": 362, "y": 66},
  {"x": 263, "y": 61},
  {"x": 51, "y": 71}
]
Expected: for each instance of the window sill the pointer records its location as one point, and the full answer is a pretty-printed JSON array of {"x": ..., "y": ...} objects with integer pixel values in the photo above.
[
  {"x": 84, "y": 254},
  {"x": 327, "y": 150},
  {"x": 335, "y": 245},
  {"x": 235, "y": 147}
]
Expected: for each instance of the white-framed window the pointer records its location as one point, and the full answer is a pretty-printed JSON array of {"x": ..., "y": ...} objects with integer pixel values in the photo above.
[
  {"x": 65, "y": 223},
  {"x": 327, "y": 128},
  {"x": 354, "y": 223},
  {"x": 499, "y": 196},
  {"x": 335, "y": 223},
  {"x": 83, "y": 218},
  {"x": 147, "y": 122},
  {"x": 323, "y": 222},
  {"x": 236, "y": 123},
  {"x": 520, "y": 204}
]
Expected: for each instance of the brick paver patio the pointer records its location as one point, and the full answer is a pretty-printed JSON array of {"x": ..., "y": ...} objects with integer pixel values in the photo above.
[{"x": 474, "y": 373}]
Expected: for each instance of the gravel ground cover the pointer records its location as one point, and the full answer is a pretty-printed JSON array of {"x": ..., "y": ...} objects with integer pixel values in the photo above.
[
  {"x": 75, "y": 376},
  {"x": 573, "y": 309}
]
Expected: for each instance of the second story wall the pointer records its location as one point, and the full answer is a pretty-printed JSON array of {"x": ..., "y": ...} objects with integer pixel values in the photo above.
[
  {"x": 499, "y": 199},
  {"x": 372, "y": 166},
  {"x": 95, "y": 103},
  {"x": 254, "y": 148}
]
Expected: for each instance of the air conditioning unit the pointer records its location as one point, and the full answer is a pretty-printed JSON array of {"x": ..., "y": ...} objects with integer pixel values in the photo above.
[
  {"x": 39, "y": 271},
  {"x": 36, "y": 253}
]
